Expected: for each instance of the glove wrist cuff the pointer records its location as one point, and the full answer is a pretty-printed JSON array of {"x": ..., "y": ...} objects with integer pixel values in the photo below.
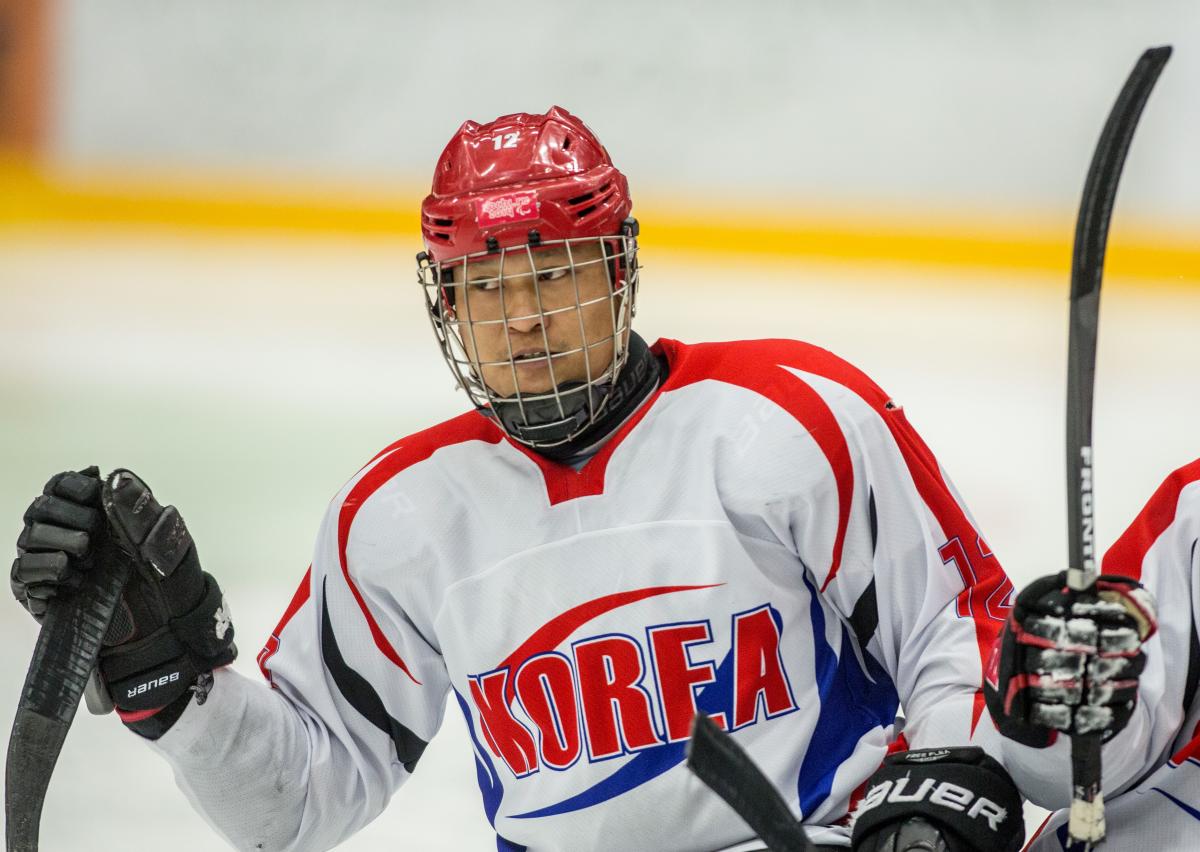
[{"x": 153, "y": 672}]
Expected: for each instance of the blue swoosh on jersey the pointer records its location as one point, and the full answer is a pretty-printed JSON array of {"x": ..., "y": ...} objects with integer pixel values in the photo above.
[
  {"x": 851, "y": 706},
  {"x": 1190, "y": 811},
  {"x": 651, "y": 762},
  {"x": 489, "y": 781}
]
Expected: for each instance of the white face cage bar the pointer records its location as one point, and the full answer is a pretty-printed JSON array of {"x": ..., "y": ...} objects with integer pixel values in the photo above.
[{"x": 555, "y": 416}]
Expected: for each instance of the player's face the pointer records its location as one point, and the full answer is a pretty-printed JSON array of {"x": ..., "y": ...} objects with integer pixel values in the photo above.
[{"x": 530, "y": 328}]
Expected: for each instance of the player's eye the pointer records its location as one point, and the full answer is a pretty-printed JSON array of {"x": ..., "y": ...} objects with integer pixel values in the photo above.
[
  {"x": 552, "y": 275},
  {"x": 484, "y": 285}
]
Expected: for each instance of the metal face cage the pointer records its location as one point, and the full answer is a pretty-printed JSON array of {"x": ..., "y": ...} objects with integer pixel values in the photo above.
[{"x": 475, "y": 300}]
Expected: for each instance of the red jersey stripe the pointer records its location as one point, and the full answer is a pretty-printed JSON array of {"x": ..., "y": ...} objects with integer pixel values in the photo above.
[{"x": 1126, "y": 555}]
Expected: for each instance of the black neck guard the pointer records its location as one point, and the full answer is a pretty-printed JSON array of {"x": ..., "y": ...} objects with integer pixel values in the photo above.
[{"x": 638, "y": 379}]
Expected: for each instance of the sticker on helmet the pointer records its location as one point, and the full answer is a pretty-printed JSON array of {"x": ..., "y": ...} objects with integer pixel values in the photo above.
[{"x": 502, "y": 209}]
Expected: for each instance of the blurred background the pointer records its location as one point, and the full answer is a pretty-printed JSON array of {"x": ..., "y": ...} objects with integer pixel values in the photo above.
[{"x": 208, "y": 214}]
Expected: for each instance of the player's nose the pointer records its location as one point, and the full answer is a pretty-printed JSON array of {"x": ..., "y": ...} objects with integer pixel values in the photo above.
[{"x": 522, "y": 307}]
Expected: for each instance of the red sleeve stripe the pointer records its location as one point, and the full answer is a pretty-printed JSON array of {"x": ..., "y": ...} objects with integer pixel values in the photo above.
[
  {"x": 298, "y": 600},
  {"x": 927, "y": 477},
  {"x": 403, "y": 454},
  {"x": 1127, "y": 554},
  {"x": 1190, "y": 751}
]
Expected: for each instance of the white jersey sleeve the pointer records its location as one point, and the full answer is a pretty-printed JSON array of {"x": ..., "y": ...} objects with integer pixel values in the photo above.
[
  {"x": 306, "y": 763},
  {"x": 1153, "y": 792}
]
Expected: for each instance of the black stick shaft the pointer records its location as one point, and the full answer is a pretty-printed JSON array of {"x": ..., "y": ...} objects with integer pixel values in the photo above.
[
  {"x": 63, "y": 659},
  {"x": 1087, "y": 270},
  {"x": 728, "y": 771}
]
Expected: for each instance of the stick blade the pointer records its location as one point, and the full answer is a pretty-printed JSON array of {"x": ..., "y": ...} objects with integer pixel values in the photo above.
[
  {"x": 729, "y": 772},
  {"x": 1104, "y": 172}
]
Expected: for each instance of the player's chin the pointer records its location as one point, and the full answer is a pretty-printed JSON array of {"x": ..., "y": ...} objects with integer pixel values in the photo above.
[
  {"x": 535, "y": 381},
  {"x": 535, "y": 377}
]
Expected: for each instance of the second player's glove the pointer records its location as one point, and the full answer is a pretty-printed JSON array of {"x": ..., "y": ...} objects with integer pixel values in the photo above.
[
  {"x": 939, "y": 800},
  {"x": 1068, "y": 663}
]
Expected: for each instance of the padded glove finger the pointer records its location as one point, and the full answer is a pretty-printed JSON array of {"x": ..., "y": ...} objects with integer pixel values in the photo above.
[
  {"x": 63, "y": 513},
  {"x": 48, "y": 537},
  {"x": 77, "y": 486},
  {"x": 37, "y": 578},
  {"x": 44, "y": 569}
]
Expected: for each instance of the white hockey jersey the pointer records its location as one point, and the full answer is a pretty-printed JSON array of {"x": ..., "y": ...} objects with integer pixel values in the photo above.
[
  {"x": 766, "y": 540},
  {"x": 1160, "y": 810}
]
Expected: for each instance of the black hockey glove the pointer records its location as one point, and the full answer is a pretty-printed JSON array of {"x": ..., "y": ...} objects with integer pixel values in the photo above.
[
  {"x": 939, "y": 800},
  {"x": 171, "y": 628},
  {"x": 64, "y": 531},
  {"x": 1067, "y": 663}
]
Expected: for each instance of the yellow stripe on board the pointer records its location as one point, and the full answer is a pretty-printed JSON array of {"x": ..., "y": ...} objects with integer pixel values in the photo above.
[{"x": 29, "y": 196}]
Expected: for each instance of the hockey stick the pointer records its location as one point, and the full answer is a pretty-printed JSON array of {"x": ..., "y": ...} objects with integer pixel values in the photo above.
[
  {"x": 1087, "y": 267},
  {"x": 728, "y": 771},
  {"x": 62, "y": 662}
]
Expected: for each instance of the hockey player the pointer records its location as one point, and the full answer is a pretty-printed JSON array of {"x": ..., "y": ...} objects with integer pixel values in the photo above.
[
  {"x": 617, "y": 536},
  {"x": 1160, "y": 807}
]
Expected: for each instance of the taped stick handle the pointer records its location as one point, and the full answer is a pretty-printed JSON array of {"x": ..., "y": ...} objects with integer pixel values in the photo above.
[{"x": 63, "y": 658}]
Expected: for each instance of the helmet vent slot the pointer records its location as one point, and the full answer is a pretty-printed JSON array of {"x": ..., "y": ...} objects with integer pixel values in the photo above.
[{"x": 579, "y": 199}]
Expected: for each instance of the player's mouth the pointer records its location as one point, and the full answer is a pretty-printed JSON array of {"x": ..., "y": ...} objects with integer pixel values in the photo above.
[{"x": 532, "y": 357}]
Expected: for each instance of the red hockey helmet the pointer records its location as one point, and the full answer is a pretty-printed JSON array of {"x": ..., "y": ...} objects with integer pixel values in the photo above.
[
  {"x": 517, "y": 187},
  {"x": 497, "y": 182}
]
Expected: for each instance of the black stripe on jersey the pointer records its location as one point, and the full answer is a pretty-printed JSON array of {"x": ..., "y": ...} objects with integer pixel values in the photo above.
[
  {"x": 1193, "y": 672},
  {"x": 874, "y": 516},
  {"x": 363, "y": 697},
  {"x": 865, "y": 617},
  {"x": 1193, "y": 669}
]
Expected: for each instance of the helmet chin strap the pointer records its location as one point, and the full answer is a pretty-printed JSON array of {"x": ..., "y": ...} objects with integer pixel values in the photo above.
[
  {"x": 542, "y": 421},
  {"x": 542, "y": 424}
]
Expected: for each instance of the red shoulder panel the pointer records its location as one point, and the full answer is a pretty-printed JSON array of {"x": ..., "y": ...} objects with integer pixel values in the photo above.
[{"x": 1127, "y": 553}]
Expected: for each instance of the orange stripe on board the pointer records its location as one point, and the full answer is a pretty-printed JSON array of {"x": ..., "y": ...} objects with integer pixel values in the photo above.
[{"x": 1021, "y": 244}]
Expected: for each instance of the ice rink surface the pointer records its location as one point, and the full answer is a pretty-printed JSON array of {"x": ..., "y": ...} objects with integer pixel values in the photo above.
[{"x": 246, "y": 377}]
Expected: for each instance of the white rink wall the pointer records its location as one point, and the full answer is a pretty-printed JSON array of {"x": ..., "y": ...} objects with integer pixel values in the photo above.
[{"x": 984, "y": 105}]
